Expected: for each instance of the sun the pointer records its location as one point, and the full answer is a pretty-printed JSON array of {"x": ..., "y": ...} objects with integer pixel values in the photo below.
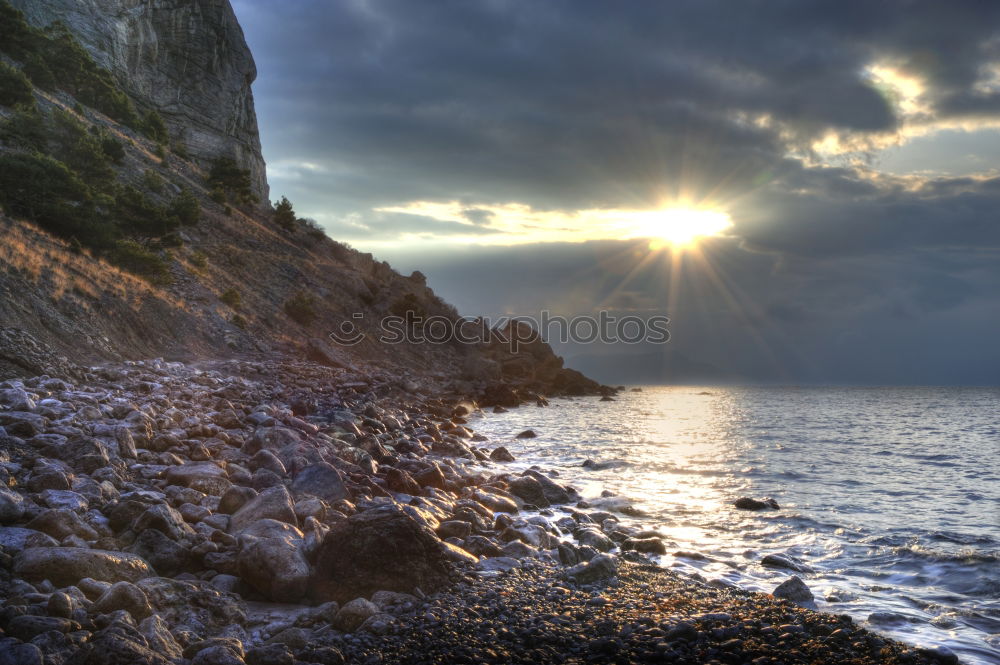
[{"x": 679, "y": 228}]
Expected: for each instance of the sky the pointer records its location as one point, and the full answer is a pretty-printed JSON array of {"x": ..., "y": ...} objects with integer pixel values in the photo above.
[{"x": 838, "y": 163}]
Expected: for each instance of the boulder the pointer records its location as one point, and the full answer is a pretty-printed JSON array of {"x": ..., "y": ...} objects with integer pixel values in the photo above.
[
  {"x": 270, "y": 438},
  {"x": 793, "y": 589},
  {"x": 554, "y": 492},
  {"x": 747, "y": 503},
  {"x": 601, "y": 567},
  {"x": 65, "y": 566},
  {"x": 322, "y": 481},
  {"x": 530, "y": 490},
  {"x": 275, "y": 565},
  {"x": 205, "y": 477},
  {"x": 380, "y": 548},
  {"x": 501, "y": 454},
  {"x": 61, "y": 523},
  {"x": 11, "y": 506},
  {"x": 526, "y": 434},
  {"x": 273, "y": 503},
  {"x": 645, "y": 545},
  {"x": 350, "y": 617},
  {"x": 166, "y": 556},
  {"x": 123, "y": 596}
]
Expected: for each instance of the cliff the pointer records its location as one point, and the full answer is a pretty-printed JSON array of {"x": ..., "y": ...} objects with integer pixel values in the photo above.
[{"x": 185, "y": 58}]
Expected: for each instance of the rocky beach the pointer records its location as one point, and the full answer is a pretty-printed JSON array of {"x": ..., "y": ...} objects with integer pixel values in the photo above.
[{"x": 270, "y": 510}]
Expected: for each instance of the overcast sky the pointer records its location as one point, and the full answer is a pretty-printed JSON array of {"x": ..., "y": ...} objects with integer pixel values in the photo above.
[{"x": 519, "y": 153}]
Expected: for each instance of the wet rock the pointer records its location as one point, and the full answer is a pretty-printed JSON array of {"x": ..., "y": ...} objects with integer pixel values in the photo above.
[
  {"x": 645, "y": 545},
  {"x": 793, "y": 589},
  {"x": 526, "y": 434},
  {"x": 554, "y": 492},
  {"x": 783, "y": 561},
  {"x": 530, "y": 490},
  {"x": 594, "y": 538},
  {"x": 18, "y": 538},
  {"x": 270, "y": 438},
  {"x": 65, "y": 566},
  {"x": 501, "y": 454},
  {"x": 273, "y": 503},
  {"x": 381, "y": 548},
  {"x": 123, "y": 596},
  {"x": 601, "y": 567},
  {"x": 431, "y": 477},
  {"x": 747, "y": 503},
  {"x": 398, "y": 480},
  {"x": 322, "y": 481},
  {"x": 454, "y": 529}
]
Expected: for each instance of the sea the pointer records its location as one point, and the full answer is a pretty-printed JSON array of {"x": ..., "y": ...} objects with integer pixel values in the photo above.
[{"x": 889, "y": 497}]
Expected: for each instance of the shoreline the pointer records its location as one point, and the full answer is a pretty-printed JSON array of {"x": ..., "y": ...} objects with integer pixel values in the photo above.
[{"x": 278, "y": 481}]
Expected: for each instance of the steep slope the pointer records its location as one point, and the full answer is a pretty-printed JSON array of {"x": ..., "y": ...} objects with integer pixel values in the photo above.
[
  {"x": 187, "y": 59},
  {"x": 222, "y": 275}
]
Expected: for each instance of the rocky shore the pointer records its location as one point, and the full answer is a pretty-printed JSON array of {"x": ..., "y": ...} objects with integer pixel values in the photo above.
[{"x": 269, "y": 511}]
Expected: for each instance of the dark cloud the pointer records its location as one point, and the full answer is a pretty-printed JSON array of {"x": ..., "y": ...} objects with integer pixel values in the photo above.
[{"x": 832, "y": 271}]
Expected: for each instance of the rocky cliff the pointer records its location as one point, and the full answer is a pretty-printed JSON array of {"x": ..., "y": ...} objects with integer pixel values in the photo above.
[{"x": 185, "y": 58}]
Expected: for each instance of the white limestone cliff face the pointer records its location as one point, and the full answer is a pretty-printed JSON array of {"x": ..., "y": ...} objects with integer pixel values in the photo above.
[{"x": 185, "y": 58}]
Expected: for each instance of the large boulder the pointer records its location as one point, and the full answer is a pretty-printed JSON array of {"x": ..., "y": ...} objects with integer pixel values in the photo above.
[
  {"x": 322, "y": 481},
  {"x": 554, "y": 492},
  {"x": 65, "y": 566},
  {"x": 381, "y": 548},
  {"x": 205, "y": 477},
  {"x": 274, "y": 503},
  {"x": 529, "y": 490},
  {"x": 11, "y": 506}
]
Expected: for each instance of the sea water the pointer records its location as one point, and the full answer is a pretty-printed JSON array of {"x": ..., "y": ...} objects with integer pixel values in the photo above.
[{"x": 890, "y": 497}]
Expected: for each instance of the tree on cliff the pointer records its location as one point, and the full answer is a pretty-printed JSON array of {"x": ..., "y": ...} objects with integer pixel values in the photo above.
[{"x": 284, "y": 214}]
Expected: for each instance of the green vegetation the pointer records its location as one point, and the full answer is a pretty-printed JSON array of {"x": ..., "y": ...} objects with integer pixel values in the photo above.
[
  {"x": 25, "y": 130},
  {"x": 301, "y": 308},
  {"x": 15, "y": 88},
  {"x": 155, "y": 128},
  {"x": 185, "y": 208},
  {"x": 232, "y": 298},
  {"x": 199, "y": 260},
  {"x": 284, "y": 214},
  {"x": 239, "y": 321},
  {"x": 113, "y": 148},
  {"x": 132, "y": 256},
  {"x": 314, "y": 230},
  {"x": 152, "y": 181},
  {"x": 226, "y": 179}
]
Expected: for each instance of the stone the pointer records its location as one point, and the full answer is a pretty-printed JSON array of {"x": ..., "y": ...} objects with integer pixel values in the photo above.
[
  {"x": 747, "y": 503},
  {"x": 601, "y": 567},
  {"x": 117, "y": 645},
  {"x": 158, "y": 637},
  {"x": 322, "y": 481},
  {"x": 793, "y": 589},
  {"x": 380, "y": 548},
  {"x": 194, "y": 603},
  {"x": 18, "y": 538},
  {"x": 276, "y": 566},
  {"x": 454, "y": 529},
  {"x": 783, "y": 561},
  {"x": 65, "y": 566},
  {"x": 270, "y": 654},
  {"x": 234, "y": 498},
  {"x": 554, "y": 492},
  {"x": 27, "y": 626},
  {"x": 501, "y": 454},
  {"x": 645, "y": 545},
  {"x": 199, "y": 475},
  {"x": 273, "y": 503},
  {"x": 530, "y": 490},
  {"x": 270, "y": 438},
  {"x": 526, "y": 434},
  {"x": 165, "y": 519},
  {"x": 398, "y": 480},
  {"x": 14, "y": 652},
  {"x": 11, "y": 506},
  {"x": 594, "y": 538},
  {"x": 61, "y": 524},
  {"x": 350, "y": 617},
  {"x": 123, "y": 596},
  {"x": 431, "y": 477},
  {"x": 166, "y": 556}
]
